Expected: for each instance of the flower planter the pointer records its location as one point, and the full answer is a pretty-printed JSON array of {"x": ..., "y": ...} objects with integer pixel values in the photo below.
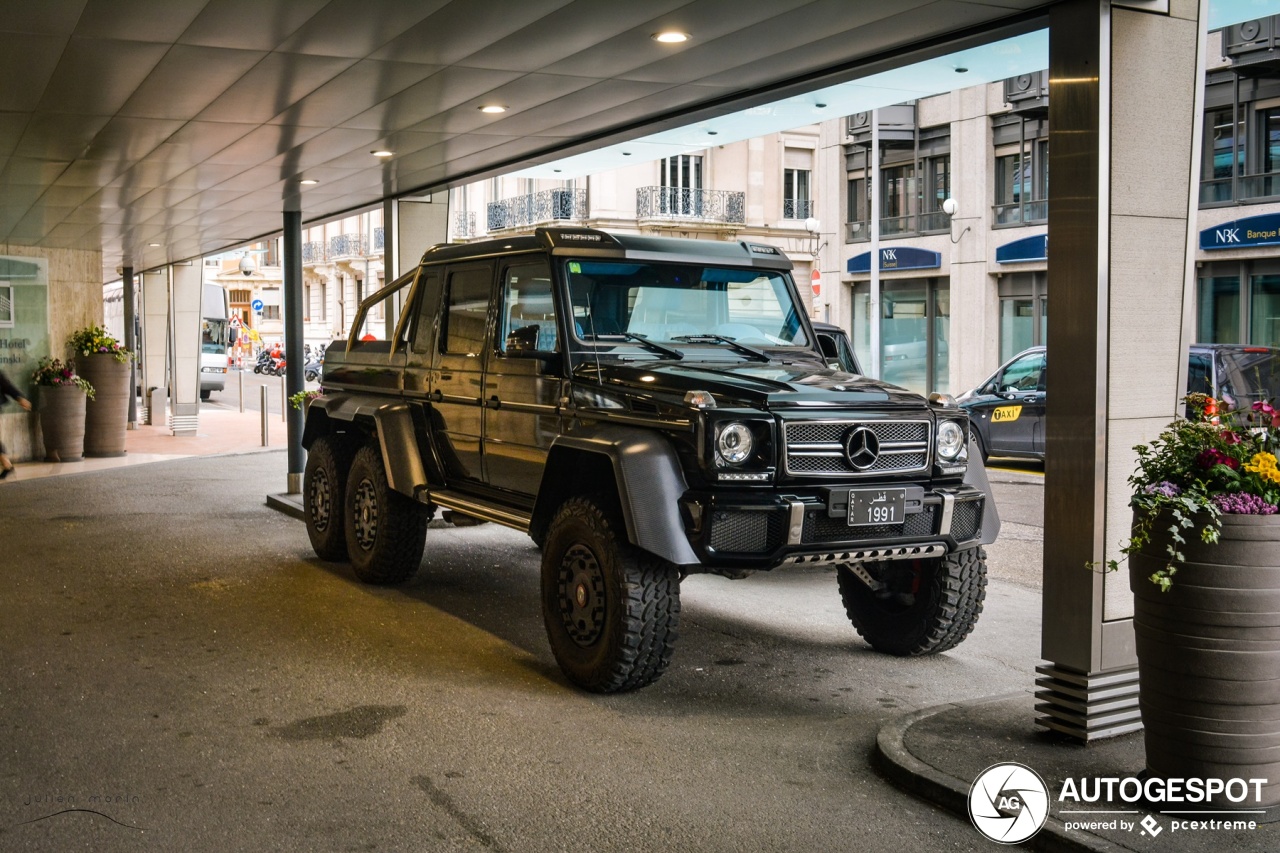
[
  {"x": 107, "y": 414},
  {"x": 1209, "y": 656},
  {"x": 62, "y": 409}
]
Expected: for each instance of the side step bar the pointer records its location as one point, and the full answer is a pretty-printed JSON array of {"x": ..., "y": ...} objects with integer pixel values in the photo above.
[{"x": 485, "y": 510}]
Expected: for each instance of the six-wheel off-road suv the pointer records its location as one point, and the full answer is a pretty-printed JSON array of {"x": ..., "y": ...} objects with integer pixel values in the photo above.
[{"x": 645, "y": 408}]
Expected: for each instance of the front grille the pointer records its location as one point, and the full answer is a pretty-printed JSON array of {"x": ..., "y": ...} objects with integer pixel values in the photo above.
[
  {"x": 746, "y": 532},
  {"x": 820, "y": 528},
  {"x": 817, "y": 448},
  {"x": 966, "y": 520}
]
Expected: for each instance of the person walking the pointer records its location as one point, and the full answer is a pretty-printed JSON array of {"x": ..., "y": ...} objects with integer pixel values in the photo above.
[{"x": 9, "y": 391}]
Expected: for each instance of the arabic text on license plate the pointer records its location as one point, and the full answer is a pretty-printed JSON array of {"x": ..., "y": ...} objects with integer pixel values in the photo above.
[{"x": 877, "y": 506}]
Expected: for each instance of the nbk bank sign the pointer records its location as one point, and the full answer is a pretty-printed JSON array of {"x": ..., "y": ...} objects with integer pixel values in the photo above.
[{"x": 1261, "y": 230}]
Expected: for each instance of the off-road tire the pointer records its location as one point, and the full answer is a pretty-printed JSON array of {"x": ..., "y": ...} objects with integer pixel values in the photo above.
[
  {"x": 929, "y": 606},
  {"x": 611, "y": 610},
  {"x": 324, "y": 489},
  {"x": 386, "y": 531}
]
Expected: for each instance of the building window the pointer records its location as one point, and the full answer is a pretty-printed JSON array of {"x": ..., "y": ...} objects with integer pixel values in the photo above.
[
  {"x": 242, "y": 297},
  {"x": 1024, "y": 312},
  {"x": 915, "y": 326},
  {"x": 681, "y": 185},
  {"x": 897, "y": 200},
  {"x": 796, "y": 203},
  {"x": 1238, "y": 302},
  {"x": 271, "y": 312},
  {"x": 1264, "y": 310},
  {"x": 1022, "y": 185}
]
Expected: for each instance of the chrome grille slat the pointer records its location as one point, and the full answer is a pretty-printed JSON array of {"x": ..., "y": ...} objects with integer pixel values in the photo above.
[{"x": 816, "y": 448}]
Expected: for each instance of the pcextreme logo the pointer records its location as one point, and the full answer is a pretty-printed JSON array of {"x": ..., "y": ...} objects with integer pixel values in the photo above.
[{"x": 1008, "y": 802}]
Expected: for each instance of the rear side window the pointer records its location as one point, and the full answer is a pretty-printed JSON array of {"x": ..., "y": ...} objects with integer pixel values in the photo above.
[{"x": 468, "y": 309}]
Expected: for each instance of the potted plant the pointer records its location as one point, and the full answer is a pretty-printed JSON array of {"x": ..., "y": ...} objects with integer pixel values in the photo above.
[
  {"x": 63, "y": 395},
  {"x": 1204, "y": 568},
  {"x": 101, "y": 360}
]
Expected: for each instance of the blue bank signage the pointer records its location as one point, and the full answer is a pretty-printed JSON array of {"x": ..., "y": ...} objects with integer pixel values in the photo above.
[
  {"x": 1023, "y": 251},
  {"x": 896, "y": 258},
  {"x": 1261, "y": 230}
]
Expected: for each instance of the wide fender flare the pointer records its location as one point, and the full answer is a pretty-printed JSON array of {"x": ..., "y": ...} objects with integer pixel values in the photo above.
[
  {"x": 395, "y": 426},
  {"x": 649, "y": 481},
  {"x": 975, "y": 475}
]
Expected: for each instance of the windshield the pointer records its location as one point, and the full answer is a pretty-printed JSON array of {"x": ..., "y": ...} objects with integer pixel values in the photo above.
[
  {"x": 213, "y": 336},
  {"x": 668, "y": 302}
]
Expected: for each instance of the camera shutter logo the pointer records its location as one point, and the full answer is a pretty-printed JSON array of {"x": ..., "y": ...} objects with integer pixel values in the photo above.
[{"x": 1008, "y": 803}]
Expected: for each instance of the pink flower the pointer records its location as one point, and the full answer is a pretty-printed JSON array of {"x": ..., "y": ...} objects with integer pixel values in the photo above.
[
  {"x": 1213, "y": 456},
  {"x": 1230, "y": 437}
]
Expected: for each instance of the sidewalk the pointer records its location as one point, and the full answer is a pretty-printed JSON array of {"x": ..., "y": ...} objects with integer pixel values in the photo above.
[{"x": 219, "y": 431}]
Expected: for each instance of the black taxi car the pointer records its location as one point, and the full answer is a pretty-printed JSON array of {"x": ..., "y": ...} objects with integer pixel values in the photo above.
[{"x": 1007, "y": 410}]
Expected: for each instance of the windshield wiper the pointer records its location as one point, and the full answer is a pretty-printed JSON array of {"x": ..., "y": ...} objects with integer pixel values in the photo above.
[
  {"x": 750, "y": 352},
  {"x": 654, "y": 346}
]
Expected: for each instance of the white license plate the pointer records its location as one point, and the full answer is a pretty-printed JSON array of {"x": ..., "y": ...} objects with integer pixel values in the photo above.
[{"x": 877, "y": 506}]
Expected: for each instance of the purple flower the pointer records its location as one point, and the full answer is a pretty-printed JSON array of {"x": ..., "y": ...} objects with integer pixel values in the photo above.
[
  {"x": 1243, "y": 503},
  {"x": 1165, "y": 488}
]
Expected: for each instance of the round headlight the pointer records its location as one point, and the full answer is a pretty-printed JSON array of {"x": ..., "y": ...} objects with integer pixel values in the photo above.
[
  {"x": 734, "y": 443},
  {"x": 950, "y": 440}
]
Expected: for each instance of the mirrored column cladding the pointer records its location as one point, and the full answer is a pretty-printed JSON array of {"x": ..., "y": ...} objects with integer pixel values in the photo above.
[
  {"x": 154, "y": 354},
  {"x": 184, "y": 348},
  {"x": 1122, "y": 270}
]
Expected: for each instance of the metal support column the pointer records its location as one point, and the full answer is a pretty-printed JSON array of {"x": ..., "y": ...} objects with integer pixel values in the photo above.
[
  {"x": 1120, "y": 263},
  {"x": 294, "y": 358}
]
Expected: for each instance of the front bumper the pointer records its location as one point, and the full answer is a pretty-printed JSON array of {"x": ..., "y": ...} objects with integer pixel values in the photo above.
[{"x": 752, "y": 531}]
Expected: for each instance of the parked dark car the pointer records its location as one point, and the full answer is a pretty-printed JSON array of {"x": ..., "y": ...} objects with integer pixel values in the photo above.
[
  {"x": 644, "y": 408},
  {"x": 1007, "y": 410}
]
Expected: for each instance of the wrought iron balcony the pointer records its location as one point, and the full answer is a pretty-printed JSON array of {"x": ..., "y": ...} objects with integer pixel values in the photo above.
[
  {"x": 676, "y": 203},
  {"x": 313, "y": 252},
  {"x": 525, "y": 211},
  {"x": 464, "y": 223},
  {"x": 348, "y": 246},
  {"x": 379, "y": 239},
  {"x": 794, "y": 209}
]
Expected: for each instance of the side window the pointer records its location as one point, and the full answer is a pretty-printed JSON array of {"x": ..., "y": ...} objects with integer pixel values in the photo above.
[
  {"x": 378, "y": 318},
  {"x": 1025, "y": 374},
  {"x": 1199, "y": 374},
  {"x": 424, "y": 325},
  {"x": 528, "y": 320},
  {"x": 468, "y": 309}
]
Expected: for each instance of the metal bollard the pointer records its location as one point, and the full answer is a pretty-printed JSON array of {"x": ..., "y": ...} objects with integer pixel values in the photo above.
[
  {"x": 264, "y": 416},
  {"x": 240, "y": 382},
  {"x": 284, "y": 400}
]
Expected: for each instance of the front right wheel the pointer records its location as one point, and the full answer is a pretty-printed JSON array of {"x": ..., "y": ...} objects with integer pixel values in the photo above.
[
  {"x": 916, "y": 607},
  {"x": 611, "y": 610}
]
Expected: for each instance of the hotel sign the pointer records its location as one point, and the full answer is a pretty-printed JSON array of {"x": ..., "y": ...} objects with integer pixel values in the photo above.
[
  {"x": 896, "y": 258},
  {"x": 1263, "y": 230}
]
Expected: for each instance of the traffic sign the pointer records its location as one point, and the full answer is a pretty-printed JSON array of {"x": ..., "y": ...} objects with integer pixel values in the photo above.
[
  {"x": 257, "y": 304},
  {"x": 235, "y": 321}
]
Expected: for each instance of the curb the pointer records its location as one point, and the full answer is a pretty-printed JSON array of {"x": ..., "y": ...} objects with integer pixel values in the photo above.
[
  {"x": 904, "y": 769},
  {"x": 289, "y": 504}
]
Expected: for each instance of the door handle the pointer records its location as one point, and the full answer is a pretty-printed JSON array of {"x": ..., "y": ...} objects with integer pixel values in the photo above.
[{"x": 493, "y": 402}]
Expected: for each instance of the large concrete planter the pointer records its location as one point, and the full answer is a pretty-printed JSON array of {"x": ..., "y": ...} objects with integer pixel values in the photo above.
[
  {"x": 107, "y": 415},
  {"x": 1209, "y": 657},
  {"x": 62, "y": 409}
]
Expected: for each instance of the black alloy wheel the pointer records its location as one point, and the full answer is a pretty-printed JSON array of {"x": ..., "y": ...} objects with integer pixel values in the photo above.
[{"x": 385, "y": 530}]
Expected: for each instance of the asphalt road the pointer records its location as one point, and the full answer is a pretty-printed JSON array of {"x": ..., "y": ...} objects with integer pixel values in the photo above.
[
  {"x": 229, "y": 397},
  {"x": 178, "y": 671}
]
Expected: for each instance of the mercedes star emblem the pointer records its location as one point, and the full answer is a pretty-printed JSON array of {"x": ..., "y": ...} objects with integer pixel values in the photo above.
[{"x": 862, "y": 448}]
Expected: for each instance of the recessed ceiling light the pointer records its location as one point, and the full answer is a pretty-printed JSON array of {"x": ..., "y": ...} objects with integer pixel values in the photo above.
[
  {"x": 493, "y": 108},
  {"x": 154, "y": 245},
  {"x": 670, "y": 37},
  {"x": 626, "y": 153},
  {"x": 382, "y": 152},
  {"x": 308, "y": 182},
  {"x": 961, "y": 69},
  {"x": 821, "y": 106},
  {"x": 712, "y": 132}
]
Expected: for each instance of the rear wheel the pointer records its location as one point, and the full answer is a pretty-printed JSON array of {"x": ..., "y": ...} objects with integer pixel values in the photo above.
[
  {"x": 385, "y": 530},
  {"x": 916, "y": 607},
  {"x": 611, "y": 610},
  {"x": 324, "y": 486}
]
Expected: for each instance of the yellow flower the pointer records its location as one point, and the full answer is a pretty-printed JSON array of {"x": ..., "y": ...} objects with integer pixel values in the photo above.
[{"x": 1264, "y": 465}]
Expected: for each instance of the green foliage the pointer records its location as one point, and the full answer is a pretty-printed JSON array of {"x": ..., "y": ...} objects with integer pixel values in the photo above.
[
  {"x": 300, "y": 399},
  {"x": 1198, "y": 468},
  {"x": 96, "y": 339}
]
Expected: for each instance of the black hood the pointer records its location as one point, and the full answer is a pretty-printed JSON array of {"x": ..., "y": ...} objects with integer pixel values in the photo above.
[{"x": 772, "y": 385}]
